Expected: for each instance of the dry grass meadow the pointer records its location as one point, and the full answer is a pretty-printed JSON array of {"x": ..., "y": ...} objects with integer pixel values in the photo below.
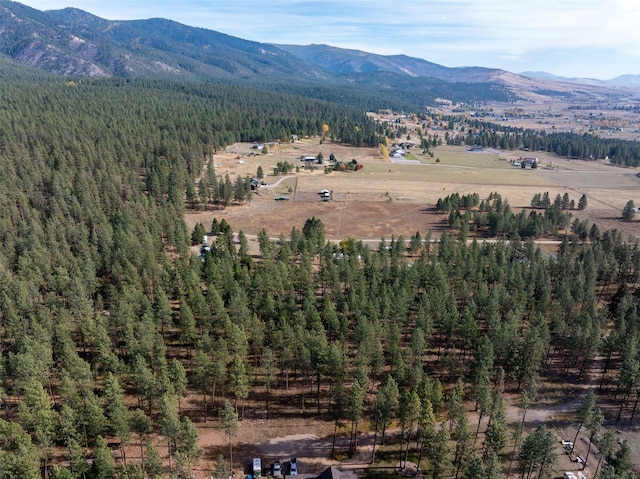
[{"x": 386, "y": 198}]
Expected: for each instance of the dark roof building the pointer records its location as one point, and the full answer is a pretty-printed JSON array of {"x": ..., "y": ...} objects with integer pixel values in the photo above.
[
  {"x": 335, "y": 473},
  {"x": 331, "y": 473}
]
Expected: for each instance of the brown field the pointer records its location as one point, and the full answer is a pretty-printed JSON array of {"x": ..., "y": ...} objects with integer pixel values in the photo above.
[{"x": 387, "y": 199}]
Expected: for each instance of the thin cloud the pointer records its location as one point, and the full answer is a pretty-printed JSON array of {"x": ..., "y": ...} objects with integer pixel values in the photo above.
[{"x": 516, "y": 35}]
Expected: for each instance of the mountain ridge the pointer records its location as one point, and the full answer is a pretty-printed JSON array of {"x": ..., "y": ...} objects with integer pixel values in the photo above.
[
  {"x": 528, "y": 86},
  {"x": 342, "y": 60},
  {"x": 73, "y": 42}
]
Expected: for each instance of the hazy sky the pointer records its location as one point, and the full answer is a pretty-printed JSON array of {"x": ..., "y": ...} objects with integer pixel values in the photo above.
[{"x": 581, "y": 38}]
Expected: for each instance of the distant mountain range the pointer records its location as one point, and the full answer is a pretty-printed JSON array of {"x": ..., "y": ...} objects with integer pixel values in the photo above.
[
  {"x": 72, "y": 42},
  {"x": 341, "y": 60},
  {"x": 622, "y": 80}
]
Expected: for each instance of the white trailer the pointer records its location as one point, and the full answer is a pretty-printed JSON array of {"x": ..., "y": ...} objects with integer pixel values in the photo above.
[{"x": 257, "y": 467}]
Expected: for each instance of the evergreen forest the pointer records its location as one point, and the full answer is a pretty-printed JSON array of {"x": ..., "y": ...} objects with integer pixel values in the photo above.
[{"x": 108, "y": 320}]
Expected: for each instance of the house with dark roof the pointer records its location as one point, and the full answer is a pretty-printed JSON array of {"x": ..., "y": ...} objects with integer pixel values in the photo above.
[
  {"x": 335, "y": 473},
  {"x": 330, "y": 473}
]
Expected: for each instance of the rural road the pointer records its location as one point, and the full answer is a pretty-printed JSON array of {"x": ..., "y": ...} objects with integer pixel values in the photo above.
[{"x": 273, "y": 185}]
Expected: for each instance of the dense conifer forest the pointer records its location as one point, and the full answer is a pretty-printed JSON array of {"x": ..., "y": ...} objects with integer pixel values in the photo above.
[{"x": 108, "y": 319}]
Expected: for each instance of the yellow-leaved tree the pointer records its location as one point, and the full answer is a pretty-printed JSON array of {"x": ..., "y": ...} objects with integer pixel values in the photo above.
[{"x": 384, "y": 151}]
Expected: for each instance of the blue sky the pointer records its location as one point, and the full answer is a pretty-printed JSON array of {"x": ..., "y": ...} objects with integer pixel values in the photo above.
[{"x": 574, "y": 38}]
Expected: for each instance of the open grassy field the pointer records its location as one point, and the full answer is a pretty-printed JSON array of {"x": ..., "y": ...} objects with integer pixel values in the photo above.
[{"x": 386, "y": 198}]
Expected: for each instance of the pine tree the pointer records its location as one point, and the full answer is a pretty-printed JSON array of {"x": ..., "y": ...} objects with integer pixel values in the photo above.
[
  {"x": 178, "y": 378},
  {"x": 475, "y": 470},
  {"x": 629, "y": 211},
  {"x": 239, "y": 380},
  {"x": 585, "y": 413},
  {"x": 537, "y": 456},
  {"x": 440, "y": 454},
  {"x": 187, "y": 451},
  {"x": 20, "y": 458},
  {"x": 198, "y": 234},
  {"x": 116, "y": 411},
  {"x": 493, "y": 469},
  {"x": 355, "y": 411},
  {"x": 153, "y": 463},
  {"x": 496, "y": 433},
  {"x": 582, "y": 203},
  {"x": 385, "y": 405},
  {"x": 594, "y": 427},
  {"x": 426, "y": 428},
  {"x": 204, "y": 191},
  {"x": 464, "y": 444},
  {"x": 229, "y": 424},
  {"x": 37, "y": 416},
  {"x": 201, "y": 377},
  {"x": 188, "y": 331},
  {"x": 269, "y": 366},
  {"x": 239, "y": 190},
  {"x": 141, "y": 425},
  {"x": 169, "y": 420},
  {"x": 221, "y": 471},
  {"x": 103, "y": 465}
]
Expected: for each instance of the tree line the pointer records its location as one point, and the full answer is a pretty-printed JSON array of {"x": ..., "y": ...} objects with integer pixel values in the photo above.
[
  {"x": 570, "y": 145},
  {"x": 493, "y": 216}
]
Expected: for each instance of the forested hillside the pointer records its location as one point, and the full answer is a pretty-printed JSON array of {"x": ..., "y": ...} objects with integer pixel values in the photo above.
[
  {"x": 72, "y": 42},
  {"x": 108, "y": 320}
]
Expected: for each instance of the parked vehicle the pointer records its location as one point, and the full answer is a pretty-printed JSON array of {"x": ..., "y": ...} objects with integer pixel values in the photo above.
[
  {"x": 293, "y": 467},
  {"x": 277, "y": 469},
  {"x": 257, "y": 467}
]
